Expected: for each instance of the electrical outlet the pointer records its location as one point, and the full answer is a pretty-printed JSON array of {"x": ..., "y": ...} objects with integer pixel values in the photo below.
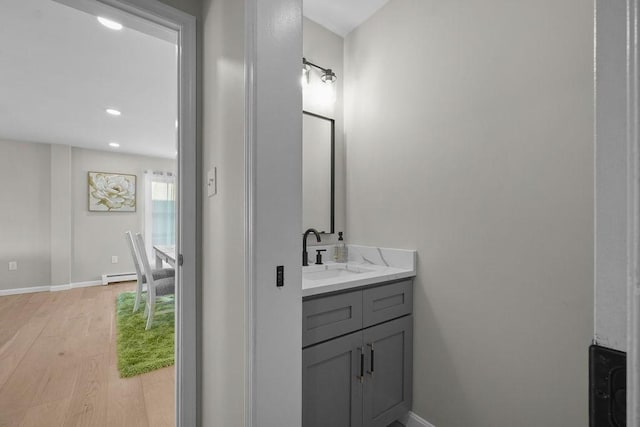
[
  {"x": 13, "y": 265},
  {"x": 114, "y": 259}
]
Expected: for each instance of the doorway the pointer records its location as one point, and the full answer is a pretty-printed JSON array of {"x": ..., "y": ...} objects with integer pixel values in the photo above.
[{"x": 71, "y": 200}]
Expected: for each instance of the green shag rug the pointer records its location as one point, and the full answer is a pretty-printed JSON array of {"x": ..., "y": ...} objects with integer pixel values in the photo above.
[{"x": 139, "y": 350}]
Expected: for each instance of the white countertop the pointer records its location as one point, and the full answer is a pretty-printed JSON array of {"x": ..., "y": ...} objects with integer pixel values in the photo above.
[{"x": 368, "y": 266}]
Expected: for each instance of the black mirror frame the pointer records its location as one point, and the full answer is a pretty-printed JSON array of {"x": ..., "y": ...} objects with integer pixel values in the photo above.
[{"x": 333, "y": 166}]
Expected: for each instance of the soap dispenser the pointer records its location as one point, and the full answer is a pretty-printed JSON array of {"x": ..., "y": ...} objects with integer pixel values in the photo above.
[{"x": 341, "y": 254}]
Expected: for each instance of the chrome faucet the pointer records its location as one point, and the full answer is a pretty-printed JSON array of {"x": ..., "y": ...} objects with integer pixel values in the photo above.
[{"x": 305, "y": 255}]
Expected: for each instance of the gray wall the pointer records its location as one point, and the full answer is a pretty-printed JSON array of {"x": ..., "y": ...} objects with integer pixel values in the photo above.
[
  {"x": 326, "y": 49},
  {"x": 25, "y": 230},
  {"x": 223, "y": 250},
  {"x": 61, "y": 214},
  {"x": 49, "y": 230},
  {"x": 99, "y": 235},
  {"x": 469, "y": 137}
]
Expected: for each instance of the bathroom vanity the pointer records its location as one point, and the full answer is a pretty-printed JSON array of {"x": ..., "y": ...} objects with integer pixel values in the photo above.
[{"x": 357, "y": 338}]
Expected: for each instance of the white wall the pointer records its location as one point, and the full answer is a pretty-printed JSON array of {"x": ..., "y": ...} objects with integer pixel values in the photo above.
[
  {"x": 24, "y": 216},
  {"x": 49, "y": 230},
  {"x": 326, "y": 49},
  {"x": 277, "y": 213},
  {"x": 270, "y": 34},
  {"x": 223, "y": 250},
  {"x": 469, "y": 137}
]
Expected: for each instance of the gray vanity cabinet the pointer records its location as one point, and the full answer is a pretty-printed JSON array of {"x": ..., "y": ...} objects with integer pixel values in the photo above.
[
  {"x": 387, "y": 386},
  {"x": 362, "y": 378},
  {"x": 331, "y": 386}
]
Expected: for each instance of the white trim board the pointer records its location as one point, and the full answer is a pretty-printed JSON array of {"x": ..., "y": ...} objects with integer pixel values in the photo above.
[
  {"x": 49, "y": 288},
  {"x": 413, "y": 420},
  {"x": 633, "y": 215}
]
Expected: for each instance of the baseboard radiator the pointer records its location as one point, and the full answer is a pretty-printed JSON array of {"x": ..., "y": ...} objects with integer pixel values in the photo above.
[{"x": 118, "y": 277}]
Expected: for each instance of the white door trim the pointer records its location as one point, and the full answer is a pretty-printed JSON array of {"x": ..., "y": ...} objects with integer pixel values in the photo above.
[
  {"x": 250, "y": 203},
  {"x": 186, "y": 392},
  {"x": 633, "y": 220}
]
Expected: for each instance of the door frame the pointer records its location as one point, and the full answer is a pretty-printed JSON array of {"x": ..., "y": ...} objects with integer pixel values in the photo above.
[
  {"x": 617, "y": 185},
  {"x": 633, "y": 218},
  {"x": 187, "y": 310}
]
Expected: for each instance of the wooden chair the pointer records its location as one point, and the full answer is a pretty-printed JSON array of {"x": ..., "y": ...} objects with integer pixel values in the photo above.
[
  {"x": 157, "y": 274},
  {"x": 155, "y": 287}
]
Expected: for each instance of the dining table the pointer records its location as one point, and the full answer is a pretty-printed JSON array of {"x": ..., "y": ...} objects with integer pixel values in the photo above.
[{"x": 165, "y": 253}]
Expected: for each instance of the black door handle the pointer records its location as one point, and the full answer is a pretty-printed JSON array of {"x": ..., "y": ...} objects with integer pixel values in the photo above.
[{"x": 372, "y": 353}]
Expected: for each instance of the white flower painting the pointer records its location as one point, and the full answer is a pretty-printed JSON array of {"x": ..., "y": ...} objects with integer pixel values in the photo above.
[{"x": 112, "y": 192}]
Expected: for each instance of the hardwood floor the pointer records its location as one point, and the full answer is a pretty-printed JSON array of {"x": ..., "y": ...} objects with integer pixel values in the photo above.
[{"x": 58, "y": 364}]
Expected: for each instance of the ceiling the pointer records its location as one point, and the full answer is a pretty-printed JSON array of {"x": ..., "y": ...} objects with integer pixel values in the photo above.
[
  {"x": 60, "y": 69},
  {"x": 341, "y": 16}
]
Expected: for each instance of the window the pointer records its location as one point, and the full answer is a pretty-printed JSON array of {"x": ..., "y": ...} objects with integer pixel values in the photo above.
[
  {"x": 163, "y": 213},
  {"x": 160, "y": 210}
]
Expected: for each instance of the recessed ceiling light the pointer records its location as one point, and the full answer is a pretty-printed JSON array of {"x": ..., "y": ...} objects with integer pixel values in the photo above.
[
  {"x": 112, "y": 25},
  {"x": 114, "y": 144},
  {"x": 113, "y": 112}
]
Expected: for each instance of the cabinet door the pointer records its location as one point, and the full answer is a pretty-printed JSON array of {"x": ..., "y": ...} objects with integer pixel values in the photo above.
[
  {"x": 331, "y": 383},
  {"x": 388, "y": 371}
]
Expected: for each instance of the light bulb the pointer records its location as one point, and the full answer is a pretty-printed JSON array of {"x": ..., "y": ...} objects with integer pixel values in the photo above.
[
  {"x": 304, "y": 80},
  {"x": 112, "y": 25}
]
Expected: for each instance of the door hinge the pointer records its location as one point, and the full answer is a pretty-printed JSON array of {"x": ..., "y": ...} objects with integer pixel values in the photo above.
[{"x": 180, "y": 260}]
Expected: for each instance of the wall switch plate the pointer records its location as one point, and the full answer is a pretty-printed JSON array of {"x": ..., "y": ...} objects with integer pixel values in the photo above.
[
  {"x": 114, "y": 259},
  {"x": 13, "y": 265},
  {"x": 212, "y": 182}
]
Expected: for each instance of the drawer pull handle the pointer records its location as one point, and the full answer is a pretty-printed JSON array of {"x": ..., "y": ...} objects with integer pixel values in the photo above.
[{"x": 361, "y": 376}]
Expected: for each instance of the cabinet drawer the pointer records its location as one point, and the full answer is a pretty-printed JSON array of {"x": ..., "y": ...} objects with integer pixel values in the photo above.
[
  {"x": 387, "y": 302},
  {"x": 329, "y": 317}
]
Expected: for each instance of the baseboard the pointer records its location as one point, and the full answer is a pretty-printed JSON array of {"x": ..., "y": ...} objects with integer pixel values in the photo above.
[
  {"x": 413, "y": 420},
  {"x": 52, "y": 288},
  {"x": 75, "y": 285},
  {"x": 18, "y": 291}
]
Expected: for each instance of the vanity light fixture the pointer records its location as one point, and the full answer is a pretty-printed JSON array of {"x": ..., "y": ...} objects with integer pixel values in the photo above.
[
  {"x": 114, "y": 145},
  {"x": 112, "y": 25},
  {"x": 305, "y": 73},
  {"x": 328, "y": 76},
  {"x": 113, "y": 112}
]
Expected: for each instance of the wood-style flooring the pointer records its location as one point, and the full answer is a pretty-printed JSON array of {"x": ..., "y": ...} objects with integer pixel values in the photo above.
[{"x": 58, "y": 364}]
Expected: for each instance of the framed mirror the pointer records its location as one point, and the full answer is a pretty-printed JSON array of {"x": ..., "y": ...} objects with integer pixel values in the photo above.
[{"x": 318, "y": 173}]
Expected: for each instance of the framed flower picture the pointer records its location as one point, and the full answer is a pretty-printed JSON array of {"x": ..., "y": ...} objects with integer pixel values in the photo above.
[{"x": 112, "y": 192}]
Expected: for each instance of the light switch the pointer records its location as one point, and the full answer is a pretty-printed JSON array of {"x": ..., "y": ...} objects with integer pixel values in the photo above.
[
  {"x": 212, "y": 182},
  {"x": 114, "y": 259},
  {"x": 13, "y": 265}
]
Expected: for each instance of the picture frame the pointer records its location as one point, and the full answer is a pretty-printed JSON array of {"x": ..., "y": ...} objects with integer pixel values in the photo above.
[{"x": 111, "y": 192}]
